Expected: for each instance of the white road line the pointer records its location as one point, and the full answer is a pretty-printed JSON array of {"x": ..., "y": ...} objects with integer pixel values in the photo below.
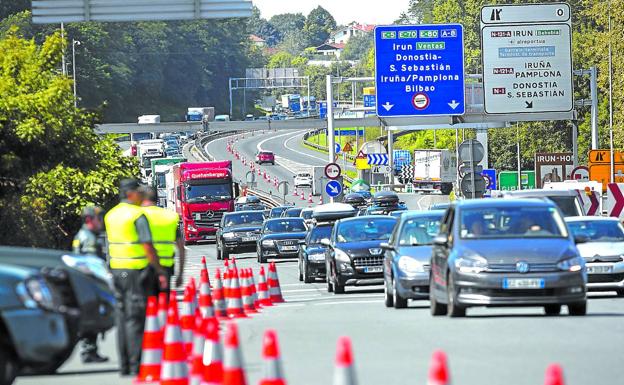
[
  {"x": 344, "y": 302},
  {"x": 299, "y": 152},
  {"x": 300, "y": 290},
  {"x": 418, "y": 202}
]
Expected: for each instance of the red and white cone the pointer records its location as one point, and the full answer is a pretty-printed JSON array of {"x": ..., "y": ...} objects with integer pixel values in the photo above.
[
  {"x": 218, "y": 297},
  {"x": 162, "y": 311},
  {"x": 252, "y": 286},
  {"x": 197, "y": 353},
  {"x": 438, "y": 369},
  {"x": 174, "y": 366},
  {"x": 310, "y": 198},
  {"x": 302, "y": 196},
  {"x": 273, "y": 373},
  {"x": 344, "y": 372},
  {"x": 263, "y": 290},
  {"x": 205, "y": 298},
  {"x": 152, "y": 349},
  {"x": 248, "y": 303},
  {"x": 295, "y": 192},
  {"x": 321, "y": 199},
  {"x": 204, "y": 266},
  {"x": 275, "y": 292},
  {"x": 213, "y": 353},
  {"x": 554, "y": 375},
  {"x": 193, "y": 287},
  {"x": 187, "y": 320},
  {"x": 233, "y": 373},
  {"x": 234, "y": 300}
]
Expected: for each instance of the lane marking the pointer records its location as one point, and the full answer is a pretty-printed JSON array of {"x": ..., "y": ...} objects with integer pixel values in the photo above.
[
  {"x": 300, "y": 290},
  {"x": 345, "y": 302}
]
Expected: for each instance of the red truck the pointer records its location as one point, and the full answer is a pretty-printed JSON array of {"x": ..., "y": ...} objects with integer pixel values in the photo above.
[{"x": 201, "y": 193}]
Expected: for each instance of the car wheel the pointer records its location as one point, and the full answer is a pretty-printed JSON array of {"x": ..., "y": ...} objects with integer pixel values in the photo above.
[
  {"x": 272, "y": 163},
  {"x": 552, "y": 309},
  {"x": 388, "y": 299},
  {"x": 218, "y": 252},
  {"x": 338, "y": 288},
  {"x": 299, "y": 268},
  {"x": 8, "y": 367},
  {"x": 306, "y": 275},
  {"x": 225, "y": 254},
  {"x": 620, "y": 292},
  {"x": 399, "y": 302},
  {"x": 577, "y": 309},
  {"x": 435, "y": 308},
  {"x": 330, "y": 288},
  {"x": 453, "y": 308},
  {"x": 262, "y": 259}
]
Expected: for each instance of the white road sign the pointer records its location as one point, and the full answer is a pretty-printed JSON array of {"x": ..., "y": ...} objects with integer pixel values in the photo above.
[
  {"x": 527, "y": 67},
  {"x": 332, "y": 171}
]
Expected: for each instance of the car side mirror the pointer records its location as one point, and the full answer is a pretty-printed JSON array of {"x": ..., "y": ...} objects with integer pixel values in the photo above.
[
  {"x": 440, "y": 240},
  {"x": 578, "y": 239},
  {"x": 387, "y": 246},
  {"x": 325, "y": 242}
]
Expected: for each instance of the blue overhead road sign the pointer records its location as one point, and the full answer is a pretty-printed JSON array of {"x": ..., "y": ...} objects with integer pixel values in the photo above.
[
  {"x": 419, "y": 70},
  {"x": 333, "y": 188}
]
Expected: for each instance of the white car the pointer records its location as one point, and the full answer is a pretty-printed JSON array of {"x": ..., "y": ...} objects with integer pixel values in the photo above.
[
  {"x": 303, "y": 179},
  {"x": 602, "y": 248}
]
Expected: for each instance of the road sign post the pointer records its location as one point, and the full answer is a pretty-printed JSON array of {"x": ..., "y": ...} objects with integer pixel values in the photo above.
[
  {"x": 419, "y": 70},
  {"x": 283, "y": 188}
]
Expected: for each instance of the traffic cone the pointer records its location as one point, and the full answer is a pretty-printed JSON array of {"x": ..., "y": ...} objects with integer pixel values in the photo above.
[
  {"x": 205, "y": 298},
  {"x": 233, "y": 373},
  {"x": 248, "y": 303},
  {"x": 213, "y": 354},
  {"x": 554, "y": 375},
  {"x": 259, "y": 172},
  {"x": 344, "y": 373},
  {"x": 197, "y": 353},
  {"x": 234, "y": 301},
  {"x": 321, "y": 199},
  {"x": 151, "y": 350},
  {"x": 295, "y": 192},
  {"x": 310, "y": 198},
  {"x": 275, "y": 292},
  {"x": 438, "y": 369},
  {"x": 203, "y": 261},
  {"x": 254, "y": 293},
  {"x": 162, "y": 310},
  {"x": 194, "y": 303},
  {"x": 174, "y": 366},
  {"x": 263, "y": 290},
  {"x": 219, "y": 300},
  {"x": 273, "y": 373},
  {"x": 302, "y": 196},
  {"x": 187, "y": 320}
]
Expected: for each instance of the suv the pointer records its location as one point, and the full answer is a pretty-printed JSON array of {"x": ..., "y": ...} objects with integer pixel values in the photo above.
[
  {"x": 303, "y": 179},
  {"x": 566, "y": 200},
  {"x": 265, "y": 157},
  {"x": 385, "y": 202},
  {"x": 239, "y": 231}
]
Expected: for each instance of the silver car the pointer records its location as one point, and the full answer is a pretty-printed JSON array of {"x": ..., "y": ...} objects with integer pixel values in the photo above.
[{"x": 603, "y": 251}]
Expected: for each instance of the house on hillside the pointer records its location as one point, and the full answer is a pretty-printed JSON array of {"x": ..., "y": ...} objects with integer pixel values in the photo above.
[
  {"x": 333, "y": 50},
  {"x": 257, "y": 41},
  {"x": 342, "y": 35}
]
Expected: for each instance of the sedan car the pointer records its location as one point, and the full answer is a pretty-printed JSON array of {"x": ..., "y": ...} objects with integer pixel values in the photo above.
[
  {"x": 603, "y": 251},
  {"x": 354, "y": 255},
  {"x": 280, "y": 238},
  {"x": 292, "y": 212},
  {"x": 504, "y": 252},
  {"x": 408, "y": 255},
  {"x": 239, "y": 231}
]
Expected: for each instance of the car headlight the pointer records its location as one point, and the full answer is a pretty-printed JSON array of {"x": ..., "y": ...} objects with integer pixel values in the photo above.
[
  {"x": 341, "y": 256},
  {"x": 575, "y": 263},
  {"x": 316, "y": 257},
  {"x": 410, "y": 266},
  {"x": 229, "y": 235},
  {"x": 473, "y": 264},
  {"x": 190, "y": 227},
  {"x": 89, "y": 265},
  {"x": 268, "y": 243},
  {"x": 34, "y": 292}
]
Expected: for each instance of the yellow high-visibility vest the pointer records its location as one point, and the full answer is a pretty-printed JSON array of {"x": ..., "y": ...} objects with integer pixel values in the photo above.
[
  {"x": 163, "y": 225},
  {"x": 124, "y": 249}
]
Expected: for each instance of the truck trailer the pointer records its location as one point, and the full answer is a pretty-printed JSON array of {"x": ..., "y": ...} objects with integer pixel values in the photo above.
[{"x": 435, "y": 170}]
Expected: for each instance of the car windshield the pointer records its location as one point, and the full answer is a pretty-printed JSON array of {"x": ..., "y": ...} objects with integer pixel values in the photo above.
[
  {"x": 318, "y": 233},
  {"x": 512, "y": 222},
  {"x": 567, "y": 205},
  {"x": 294, "y": 225},
  {"x": 293, "y": 212},
  {"x": 598, "y": 231},
  {"x": 304, "y": 176},
  {"x": 420, "y": 231},
  {"x": 255, "y": 218},
  {"x": 277, "y": 211},
  {"x": 369, "y": 229},
  {"x": 196, "y": 193}
]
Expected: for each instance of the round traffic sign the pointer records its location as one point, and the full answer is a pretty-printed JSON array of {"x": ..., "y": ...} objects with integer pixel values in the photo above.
[
  {"x": 467, "y": 184},
  {"x": 420, "y": 101},
  {"x": 580, "y": 173},
  {"x": 471, "y": 150},
  {"x": 332, "y": 170},
  {"x": 333, "y": 188},
  {"x": 282, "y": 187}
]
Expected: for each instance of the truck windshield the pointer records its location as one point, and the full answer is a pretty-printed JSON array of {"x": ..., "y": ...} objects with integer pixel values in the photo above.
[
  {"x": 197, "y": 193},
  {"x": 160, "y": 180}
]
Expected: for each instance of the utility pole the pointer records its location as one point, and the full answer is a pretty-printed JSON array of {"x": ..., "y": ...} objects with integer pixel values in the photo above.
[
  {"x": 63, "y": 65},
  {"x": 330, "y": 122},
  {"x": 74, "y": 44},
  {"x": 593, "y": 85},
  {"x": 612, "y": 168}
]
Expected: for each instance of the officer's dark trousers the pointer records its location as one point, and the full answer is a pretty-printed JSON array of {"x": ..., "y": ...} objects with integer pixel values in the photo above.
[{"x": 131, "y": 296}]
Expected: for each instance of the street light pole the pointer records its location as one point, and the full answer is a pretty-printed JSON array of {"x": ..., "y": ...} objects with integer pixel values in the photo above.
[
  {"x": 74, "y": 44},
  {"x": 612, "y": 168}
]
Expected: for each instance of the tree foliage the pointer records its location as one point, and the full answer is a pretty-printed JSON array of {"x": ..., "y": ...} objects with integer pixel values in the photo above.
[
  {"x": 357, "y": 47},
  {"x": 319, "y": 24}
]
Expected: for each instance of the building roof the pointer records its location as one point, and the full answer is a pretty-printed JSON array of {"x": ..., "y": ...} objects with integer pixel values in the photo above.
[
  {"x": 256, "y": 39},
  {"x": 330, "y": 46}
]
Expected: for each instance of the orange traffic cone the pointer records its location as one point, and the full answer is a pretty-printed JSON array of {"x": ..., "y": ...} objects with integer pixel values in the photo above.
[
  {"x": 310, "y": 198},
  {"x": 295, "y": 192},
  {"x": 248, "y": 303},
  {"x": 174, "y": 367},
  {"x": 438, "y": 369},
  {"x": 213, "y": 354},
  {"x": 234, "y": 301},
  {"x": 219, "y": 299},
  {"x": 344, "y": 373},
  {"x": 203, "y": 261},
  {"x": 233, "y": 373},
  {"x": 162, "y": 311},
  {"x": 205, "y": 298},
  {"x": 273, "y": 373},
  {"x": 263, "y": 290},
  {"x": 197, "y": 353},
  {"x": 193, "y": 287},
  {"x": 252, "y": 286},
  {"x": 151, "y": 354},
  {"x": 187, "y": 320},
  {"x": 302, "y": 196},
  {"x": 554, "y": 375},
  {"x": 275, "y": 292}
]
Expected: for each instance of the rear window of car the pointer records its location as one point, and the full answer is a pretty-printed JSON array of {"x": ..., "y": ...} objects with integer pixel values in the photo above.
[
  {"x": 266, "y": 153},
  {"x": 598, "y": 231},
  {"x": 303, "y": 175},
  {"x": 285, "y": 225},
  {"x": 243, "y": 219},
  {"x": 567, "y": 205}
]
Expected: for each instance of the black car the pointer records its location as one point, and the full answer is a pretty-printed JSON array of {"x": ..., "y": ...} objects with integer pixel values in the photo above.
[
  {"x": 37, "y": 331},
  {"x": 354, "y": 256},
  {"x": 280, "y": 238},
  {"x": 385, "y": 202},
  {"x": 249, "y": 202},
  {"x": 83, "y": 283},
  {"x": 276, "y": 212},
  {"x": 238, "y": 232},
  {"x": 292, "y": 212},
  {"x": 354, "y": 199}
]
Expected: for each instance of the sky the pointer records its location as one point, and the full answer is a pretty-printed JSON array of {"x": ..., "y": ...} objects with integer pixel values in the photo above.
[{"x": 344, "y": 11}]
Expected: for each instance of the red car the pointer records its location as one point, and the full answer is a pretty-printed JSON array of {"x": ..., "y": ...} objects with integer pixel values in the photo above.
[{"x": 265, "y": 157}]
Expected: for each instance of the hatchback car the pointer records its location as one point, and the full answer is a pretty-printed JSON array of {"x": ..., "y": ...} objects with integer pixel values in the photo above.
[
  {"x": 238, "y": 232},
  {"x": 265, "y": 157},
  {"x": 408, "y": 255},
  {"x": 303, "y": 179},
  {"x": 354, "y": 256},
  {"x": 603, "y": 251},
  {"x": 506, "y": 252},
  {"x": 280, "y": 238}
]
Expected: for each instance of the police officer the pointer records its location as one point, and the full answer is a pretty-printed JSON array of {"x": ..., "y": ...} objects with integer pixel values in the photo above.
[
  {"x": 88, "y": 241},
  {"x": 131, "y": 252},
  {"x": 166, "y": 235}
]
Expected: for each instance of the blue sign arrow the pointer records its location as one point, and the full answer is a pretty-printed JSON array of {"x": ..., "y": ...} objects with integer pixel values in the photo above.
[
  {"x": 338, "y": 148},
  {"x": 419, "y": 70},
  {"x": 333, "y": 188},
  {"x": 377, "y": 159}
]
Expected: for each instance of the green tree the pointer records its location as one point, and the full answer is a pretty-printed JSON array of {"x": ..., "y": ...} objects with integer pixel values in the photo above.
[
  {"x": 319, "y": 24},
  {"x": 357, "y": 47},
  {"x": 288, "y": 23}
]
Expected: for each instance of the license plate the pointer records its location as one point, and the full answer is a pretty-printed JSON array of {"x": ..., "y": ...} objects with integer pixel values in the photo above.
[
  {"x": 374, "y": 269},
  {"x": 523, "y": 283},
  {"x": 250, "y": 239},
  {"x": 600, "y": 269},
  {"x": 289, "y": 248}
]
